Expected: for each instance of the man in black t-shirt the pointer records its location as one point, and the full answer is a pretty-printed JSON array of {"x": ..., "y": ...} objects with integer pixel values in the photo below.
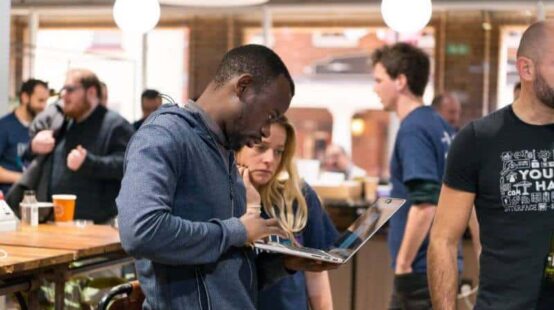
[{"x": 504, "y": 164}]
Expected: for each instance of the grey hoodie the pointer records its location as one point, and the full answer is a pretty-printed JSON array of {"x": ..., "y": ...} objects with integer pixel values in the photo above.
[{"x": 179, "y": 206}]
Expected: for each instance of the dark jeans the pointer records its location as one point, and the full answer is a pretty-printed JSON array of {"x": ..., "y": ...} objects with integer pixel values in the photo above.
[
  {"x": 410, "y": 292},
  {"x": 546, "y": 298}
]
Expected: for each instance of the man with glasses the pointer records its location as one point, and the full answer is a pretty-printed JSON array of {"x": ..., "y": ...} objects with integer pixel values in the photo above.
[
  {"x": 85, "y": 144},
  {"x": 14, "y": 130}
]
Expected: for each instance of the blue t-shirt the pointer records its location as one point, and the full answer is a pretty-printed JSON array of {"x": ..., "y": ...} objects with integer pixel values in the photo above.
[
  {"x": 419, "y": 153},
  {"x": 14, "y": 137},
  {"x": 320, "y": 233}
]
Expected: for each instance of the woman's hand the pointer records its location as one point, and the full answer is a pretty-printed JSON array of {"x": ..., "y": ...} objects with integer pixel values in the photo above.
[{"x": 252, "y": 195}]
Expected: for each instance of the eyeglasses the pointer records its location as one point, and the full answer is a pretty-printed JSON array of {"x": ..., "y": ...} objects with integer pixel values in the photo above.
[{"x": 69, "y": 89}]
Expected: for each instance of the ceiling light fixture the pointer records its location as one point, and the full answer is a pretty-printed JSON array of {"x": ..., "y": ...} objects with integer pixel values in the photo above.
[
  {"x": 136, "y": 16},
  {"x": 406, "y": 16}
]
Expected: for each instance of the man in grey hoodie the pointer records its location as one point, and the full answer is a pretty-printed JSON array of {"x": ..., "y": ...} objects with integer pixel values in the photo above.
[{"x": 182, "y": 204}]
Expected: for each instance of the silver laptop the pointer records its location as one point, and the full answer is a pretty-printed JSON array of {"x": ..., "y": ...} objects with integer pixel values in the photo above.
[{"x": 350, "y": 241}]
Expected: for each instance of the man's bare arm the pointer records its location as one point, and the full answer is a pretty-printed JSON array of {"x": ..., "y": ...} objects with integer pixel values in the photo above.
[
  {"x": 319, "y": 290},
  {"x": 474, "y": 230},
  {"x": 451, "y": 220},
  {"x": 418, "y": 223},
  {"x": 8, "y": 176}
]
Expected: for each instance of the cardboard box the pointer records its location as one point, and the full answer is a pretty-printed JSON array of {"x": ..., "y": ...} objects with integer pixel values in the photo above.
[{"x": 349, "y": 190}]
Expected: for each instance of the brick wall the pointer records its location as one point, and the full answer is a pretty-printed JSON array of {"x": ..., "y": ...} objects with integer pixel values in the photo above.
[
  {"x": 313, "y": 131},
  {"x": 210, "y": 38},
  {"x": 460, "y": 73},
  {"x": 295, "y": 46},
  {"x": 17, "y": 52},
  {"x": 464, "y": 74},
  {"x": 369, "y": 151}
]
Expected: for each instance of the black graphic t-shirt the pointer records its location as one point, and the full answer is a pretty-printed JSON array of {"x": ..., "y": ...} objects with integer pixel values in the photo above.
[{"x": 509, "y": 165}]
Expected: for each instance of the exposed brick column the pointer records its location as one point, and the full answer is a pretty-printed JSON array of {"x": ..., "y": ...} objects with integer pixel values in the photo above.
[
  {"x": 17, "y": 52},
  {"x": 210, "y": 38},
  {"x": 463, "y": 72}
]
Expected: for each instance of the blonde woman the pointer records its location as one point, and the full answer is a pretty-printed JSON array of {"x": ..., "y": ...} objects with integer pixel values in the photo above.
[{"x": 296, "y": 206}]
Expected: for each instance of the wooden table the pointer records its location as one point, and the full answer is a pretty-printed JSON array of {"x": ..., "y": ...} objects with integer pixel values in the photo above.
[
  {"x": 83, "y": 241},
  {"x": 22, "y": 259},
  {"x": 50, "y": 251}
]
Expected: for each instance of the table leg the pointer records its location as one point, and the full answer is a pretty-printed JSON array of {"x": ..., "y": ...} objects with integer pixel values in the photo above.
[
  {"x": 353, "y": 282},
  {"x": 59, "y": 283},
  {"x": 33, "y": 298}
]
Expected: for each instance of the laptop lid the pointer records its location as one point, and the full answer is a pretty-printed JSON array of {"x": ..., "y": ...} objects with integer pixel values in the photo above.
[{"x": 365, "y": 227}]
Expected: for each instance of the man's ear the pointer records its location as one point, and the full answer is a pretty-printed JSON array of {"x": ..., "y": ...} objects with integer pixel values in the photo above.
[
  {"x": 91, "y": 93},
  {"x": 24, "y": 98},
  {"x": 242, "y": 83},
  {"x": 526, "y": 68},
  {"x": 401, "y": 82}
]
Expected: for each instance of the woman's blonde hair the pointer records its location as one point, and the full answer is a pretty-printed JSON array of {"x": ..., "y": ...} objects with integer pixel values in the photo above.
[{"x": 280, "y": 194}]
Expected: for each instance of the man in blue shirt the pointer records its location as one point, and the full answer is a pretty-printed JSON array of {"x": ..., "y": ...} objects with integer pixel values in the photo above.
[
  {"x": 14, "y": 132},
  {"x": 417, "y": 165}
]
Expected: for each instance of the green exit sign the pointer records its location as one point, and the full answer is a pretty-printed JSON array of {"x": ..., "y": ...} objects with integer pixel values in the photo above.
[{"x": 457, "y": 49}]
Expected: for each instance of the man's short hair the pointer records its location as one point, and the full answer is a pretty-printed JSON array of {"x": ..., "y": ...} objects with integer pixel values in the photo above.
[
  {"x": 439, "y": 99},
  {"x": 28, "y": 87},
  {"x": 339, "y": 147},
  {"x": 149, "y": 94},
  {"x": 88, "y": 79},
  {"x": 259, "y": 61},
  {"x": 403, "y": 58}
]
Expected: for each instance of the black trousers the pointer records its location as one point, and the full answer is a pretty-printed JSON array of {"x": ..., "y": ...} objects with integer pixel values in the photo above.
[
  {"x": 410, "y": 292},
  {"x": 546, "y": 299}
]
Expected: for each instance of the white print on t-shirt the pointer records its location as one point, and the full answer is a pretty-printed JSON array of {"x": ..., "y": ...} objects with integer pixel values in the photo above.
[
  {"x": 446, "y": 140},
  {"x": 526, "y": 181}
]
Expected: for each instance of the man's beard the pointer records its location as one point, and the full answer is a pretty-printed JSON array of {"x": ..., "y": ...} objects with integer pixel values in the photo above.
[
  {"x": 236, "y": 142},
  {"x": 235, "y": 139},
  {"x": 543, "y": 91},
  {"x": 31, "y": 111},
  {"x": 78, "y": 108}
]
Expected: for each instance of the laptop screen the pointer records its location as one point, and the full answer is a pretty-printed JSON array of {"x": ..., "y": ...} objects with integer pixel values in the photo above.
[{"x": 365, "y": 226}]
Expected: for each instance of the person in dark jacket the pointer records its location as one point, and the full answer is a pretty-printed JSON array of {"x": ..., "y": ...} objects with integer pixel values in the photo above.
[
  {"x": 84, "y": 154},
  {"x": 182, "y": 201},
  {"x": 150, "y": 101}
]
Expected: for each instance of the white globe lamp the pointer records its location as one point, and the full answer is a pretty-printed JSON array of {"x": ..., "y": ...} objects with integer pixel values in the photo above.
[
  {"x": 136, "y": 16},
  {"x": 406, "y": 16}
]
